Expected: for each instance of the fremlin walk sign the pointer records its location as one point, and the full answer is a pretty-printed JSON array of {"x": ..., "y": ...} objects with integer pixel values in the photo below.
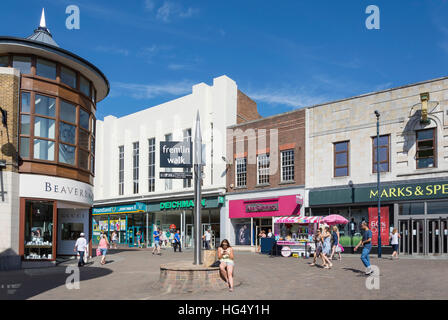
[{"x": 175, "y": 154}]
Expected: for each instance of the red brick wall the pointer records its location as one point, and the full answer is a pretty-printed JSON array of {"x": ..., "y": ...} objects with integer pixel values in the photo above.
[
  {"x": 291, "y": 135},
  {"x": 246, "y": 109}
]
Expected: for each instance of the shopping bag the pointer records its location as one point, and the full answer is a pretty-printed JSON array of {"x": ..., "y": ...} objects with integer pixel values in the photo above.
[
  {"x": 98, "y": 252},
  {"x": 339, "y": 248}
]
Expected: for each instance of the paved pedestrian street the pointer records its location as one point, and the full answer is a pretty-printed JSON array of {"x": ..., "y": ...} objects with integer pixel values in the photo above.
[{"x": 134, "y": 274}]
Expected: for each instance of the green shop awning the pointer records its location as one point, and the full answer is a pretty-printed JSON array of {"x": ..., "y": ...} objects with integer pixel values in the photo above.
[
  {"x": 137, "y": 207},
  {"x": 389, "y": 192}
]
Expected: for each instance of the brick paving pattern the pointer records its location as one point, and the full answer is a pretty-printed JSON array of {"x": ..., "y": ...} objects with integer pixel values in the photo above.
[{"x": 134, "y": 274}]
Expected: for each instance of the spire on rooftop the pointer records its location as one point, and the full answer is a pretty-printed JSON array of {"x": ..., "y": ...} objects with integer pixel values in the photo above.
[
  {"x": 42, "y": 34},
  {"x": 42, "y": 19}
]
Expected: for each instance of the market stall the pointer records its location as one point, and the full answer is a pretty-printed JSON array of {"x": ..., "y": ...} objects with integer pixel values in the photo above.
[{"x": 294, "y": 235}]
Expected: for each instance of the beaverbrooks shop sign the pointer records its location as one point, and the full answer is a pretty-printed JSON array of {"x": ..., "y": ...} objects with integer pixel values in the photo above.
[{"x": 418, "y": 191}]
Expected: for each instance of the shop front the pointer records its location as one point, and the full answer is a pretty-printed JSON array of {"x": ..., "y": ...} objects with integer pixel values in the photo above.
[
  {"x": 127, "y": 221},
  {"x": 249, "y": 216},
  {"x": 179, "y": 213},
  {"x": 418, "y": 210},
  {"x": 53, "y": 213}
]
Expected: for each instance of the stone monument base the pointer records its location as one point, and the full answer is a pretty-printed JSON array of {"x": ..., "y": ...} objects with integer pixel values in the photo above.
[{"x": 185, "y": 277}]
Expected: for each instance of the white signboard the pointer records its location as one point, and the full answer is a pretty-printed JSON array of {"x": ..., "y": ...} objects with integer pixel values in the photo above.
[{"x": 46, "y": 187}]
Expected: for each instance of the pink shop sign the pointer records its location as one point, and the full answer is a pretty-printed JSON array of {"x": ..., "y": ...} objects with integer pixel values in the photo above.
[{"x": 272, "y": 207}]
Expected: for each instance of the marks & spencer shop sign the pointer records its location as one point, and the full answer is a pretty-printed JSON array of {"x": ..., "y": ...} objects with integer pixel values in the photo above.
[
  {"x": 45, "y": 187},
  {"x": 404, "y": 192}
]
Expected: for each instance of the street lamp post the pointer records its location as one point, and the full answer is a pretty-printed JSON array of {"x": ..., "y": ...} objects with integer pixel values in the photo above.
[
  {"x": 378, "y": 179},
  {"x": 197, "y": 191}
]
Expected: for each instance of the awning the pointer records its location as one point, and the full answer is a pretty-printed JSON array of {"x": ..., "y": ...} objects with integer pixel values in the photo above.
[{"x": 302, "y": 220}]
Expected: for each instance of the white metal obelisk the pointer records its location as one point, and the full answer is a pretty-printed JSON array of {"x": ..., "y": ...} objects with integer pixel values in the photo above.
[{"x": 197, "y": 191}]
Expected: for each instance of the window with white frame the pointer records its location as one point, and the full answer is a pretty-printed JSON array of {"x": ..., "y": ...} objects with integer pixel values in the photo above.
[
  {"x": 263, "y": 168},
  {"x": 287, "y": 163},
  {"x": 135, "y": 155},
  {"x": 151, "y": 164},
  {"x": 241, "y": 172},
  {"x": 121, "y": 170}
]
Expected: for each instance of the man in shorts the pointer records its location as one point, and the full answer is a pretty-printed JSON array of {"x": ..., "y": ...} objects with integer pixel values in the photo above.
[{"x": 156, "y": 237}]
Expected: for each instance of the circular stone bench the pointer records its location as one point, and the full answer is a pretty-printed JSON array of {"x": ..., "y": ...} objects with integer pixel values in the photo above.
[{"x": 184, "y": 276}]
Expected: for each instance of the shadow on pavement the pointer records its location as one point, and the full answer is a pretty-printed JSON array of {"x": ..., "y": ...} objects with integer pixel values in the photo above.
[
  {"x": 359, "y": 272},
  {"x": 27, "y": 283}
]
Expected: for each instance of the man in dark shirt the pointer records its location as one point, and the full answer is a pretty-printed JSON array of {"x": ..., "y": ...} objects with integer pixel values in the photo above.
[
  {"x": 366, "y": 242},
  {"x": 176, "y": 243}
]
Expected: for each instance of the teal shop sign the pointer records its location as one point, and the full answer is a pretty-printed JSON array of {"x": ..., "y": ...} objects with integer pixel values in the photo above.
[
  {"x": 419, "y": 191},
  {"x": 182, "y": 204},
  {"x": 131, "y": 208}
]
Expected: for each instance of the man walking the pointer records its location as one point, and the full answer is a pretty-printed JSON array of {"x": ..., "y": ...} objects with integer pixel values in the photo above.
[
  {"x": 207, "y": 238},
  {"x": 176, "y": 242},
  {"x": 366, "y": 242},
  {"x": 81, "y": 246},
  {"x": 156, "y": 237}
]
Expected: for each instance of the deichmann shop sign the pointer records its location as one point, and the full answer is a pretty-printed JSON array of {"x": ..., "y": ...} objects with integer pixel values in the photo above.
[
  {"x": 175, "y": 154},
  {"x": 182, "y": 204},
  {"x": 46, "y": 187},
  {"x": 420, "y": 191}
]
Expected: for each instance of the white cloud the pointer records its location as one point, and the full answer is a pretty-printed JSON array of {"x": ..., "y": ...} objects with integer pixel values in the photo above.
[
  {"x": 150, "y": 5},
  {"x": 148, "y": 91},
  {"x": 285, "y": 96},
  {"x": 171, "y": 9},
  {"x": 113, "y": 50}
]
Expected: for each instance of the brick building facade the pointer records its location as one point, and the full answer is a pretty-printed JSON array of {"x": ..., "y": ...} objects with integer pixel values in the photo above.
[{"x": 265, "y": 174}]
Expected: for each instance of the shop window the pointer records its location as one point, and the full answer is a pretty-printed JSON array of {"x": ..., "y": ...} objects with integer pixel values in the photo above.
[
  {"x": 23, "y": 64},
  {"x": 263, "y": 168},
  {"x": 43, "y": 150},
  {"x": 84, "y": 86},
  {"x": 44, "y": 127},
  {"x": 67, "y": 133},
  {"x": 4, "y": 61},
  {"x": 287, "y": 163},
  {"x": 25, "y": 124},
  {"x": 45, "y": 106},
  {"x": 83, "y": 139},
  {"x": 46, "y": 69},
  {"x": 121, "y": 170},
  {"x": 383, "y": 153},
  {"x": 68, "y": 77},
  {"x": 135, "y": 155},
  {"x": 25, "y": 147},
  {"x": 341, "y": 159},
  {"x": 241, "y": 172},
  {"x": 67, "y": 154},
  {"x": 426, "y": 148},
  {"x": 152, "y": 165},
  {"x": 92, "y": 164},
  {"x": 83, "y": 119},
  {"x": 437, "y": 207},
  {"x": 68, "y": 112},
  {"x": 83, "y": 159},
  {"x": 71, "y": 231},
  {"x": 25, "y": 107},
  {"x": 411, "y": 208},
  {"x": 38, "y": 230}
]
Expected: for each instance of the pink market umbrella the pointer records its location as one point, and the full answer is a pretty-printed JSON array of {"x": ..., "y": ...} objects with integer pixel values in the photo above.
[{"x": 333, "y": 219}]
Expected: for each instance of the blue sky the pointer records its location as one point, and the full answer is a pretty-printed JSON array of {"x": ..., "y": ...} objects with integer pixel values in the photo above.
[{"x": 285, "y": 54}]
